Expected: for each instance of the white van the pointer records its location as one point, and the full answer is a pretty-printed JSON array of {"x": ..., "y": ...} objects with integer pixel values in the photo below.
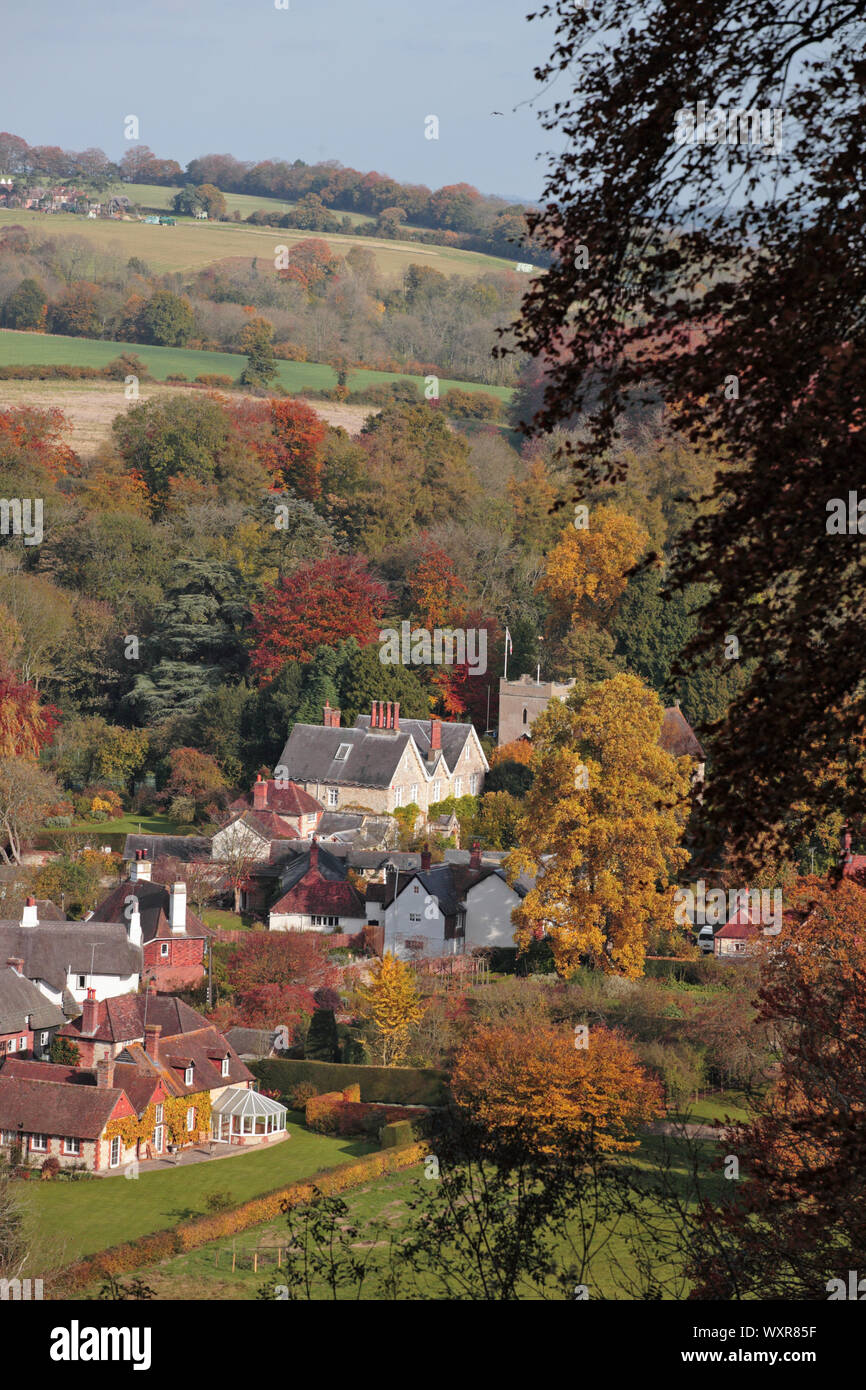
[{"x": 706, "y": 937}]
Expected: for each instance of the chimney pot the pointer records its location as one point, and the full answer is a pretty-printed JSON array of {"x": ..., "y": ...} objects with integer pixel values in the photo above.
[
  {"x": 260, "y": 794},
  {"x": 374, "y": 715},
  {"x": 435, "y": 734},
  {"x": 16, "y": 963},
  {"x": 30, "y": 914},
  {"x": 397, "y": 717},
  {"x": 475, "y": 855},
  {"x": 314, "y": 853}
]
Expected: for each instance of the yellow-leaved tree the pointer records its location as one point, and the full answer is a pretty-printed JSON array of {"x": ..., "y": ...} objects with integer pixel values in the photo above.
[
  {"x": 608, "y": 807},
  {"x": 391, "y": 1004}
]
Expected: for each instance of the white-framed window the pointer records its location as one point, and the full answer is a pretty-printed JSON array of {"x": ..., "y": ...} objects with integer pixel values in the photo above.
[
  {"x": 163, "y": 948},
  {"x": 43, "y": 1038},
  {"x": 224, "y": 1069},
  {"x": 414, "y": 916},
  {"x": 437, "y": 791},
  {"x": 22, "y": 1044},
  {"x": 319, "y": 920},
  {"x": 458, "y": 786},
  {"x": 38, "y": 1143},
  {"x": 114, "y": 1152},
  {"x": 158, "y": 1135},
  {"x": 8, "y": 1136},
  {"x": 333, "y": 796},
  {"x": 71, "y": 1146},
  {"x": 473, "y": 783},
  {"x": 187, "y": 1077},
  {"x": 343, "y": 752},
  {"x": 190, "y": 1119},
  {"x": 398, "y": 796},
  {"x": 159, "y": 1113},
  {"x": 413, "y": 792}
]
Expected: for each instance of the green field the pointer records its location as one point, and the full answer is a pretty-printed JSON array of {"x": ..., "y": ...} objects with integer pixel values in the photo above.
[
  {"x": 378, "y": 1209},
  {"x": 26, "y": 349},
  {"x": 68, "y": 1220},
  {"x": 191, "y": 246},
  {"x": 153, "y": 195}
]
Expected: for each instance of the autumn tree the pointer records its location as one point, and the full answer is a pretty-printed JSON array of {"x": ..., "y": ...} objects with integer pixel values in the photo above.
[
  {"x": 298, "y": 434},
  {"x": 608, "y": 806},
  {"x": 196, "y": 787},
  {"x": 26, "y": 725},
  {"x": 320, "y": 604},
  {"x": 391, "y": 1004},
  {"x": 166, "y": 319},
  {"x": 25, "y": 307},
  {"x": 797, "y": 1217},
  {"x": 26, "y": 795},
  {"x": 725, "y": 278},
  {"x": 535, "y": 1087},
  {"x": 287, "y": 958}
]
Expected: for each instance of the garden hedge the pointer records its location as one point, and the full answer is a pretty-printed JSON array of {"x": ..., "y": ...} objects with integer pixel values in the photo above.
[
  {"x": 385, "y": 1085},
  {"x": 189, "y": 1235}
]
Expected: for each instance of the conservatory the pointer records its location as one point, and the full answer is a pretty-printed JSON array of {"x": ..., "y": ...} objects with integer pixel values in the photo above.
[{"x": 247, "y": 1117}]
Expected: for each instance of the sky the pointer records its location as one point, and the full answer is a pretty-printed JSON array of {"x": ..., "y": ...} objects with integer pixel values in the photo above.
[{"x": 324, "y": 79}]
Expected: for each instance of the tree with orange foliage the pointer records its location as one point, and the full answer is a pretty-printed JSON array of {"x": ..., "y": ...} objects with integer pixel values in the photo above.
[
  {"x": 311, "y": 264},
  {"x": 538, "y": 1088},
  {"x": 435, "y": 589},
  {"x": 319, "y": 604},
  {"x": 33, "y": 437},
  {"x": 796, "y": 1221},
  {"x": 26, "y": 726}
]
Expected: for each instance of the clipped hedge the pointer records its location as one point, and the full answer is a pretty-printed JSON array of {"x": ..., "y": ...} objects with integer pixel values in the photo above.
[
  {"x": 383, "y": 1085},
  {"x": 397, "y": 1135},
  {"x": 189, "y": 1235}
]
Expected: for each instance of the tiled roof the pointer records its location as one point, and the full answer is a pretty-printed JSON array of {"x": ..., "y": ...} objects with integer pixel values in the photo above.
[
  {"x": 55, "y": 1107},
  {"x": 324, "y": 889},
  {"x": 192, "y": 1048},
  {"x": 20, "y": 997},
  {"x": 290, "y": 800},
  {"x": 677, "y": 736},
  {"x": 153, "y": 907},
  {"x": 122, "y": 1019},
  {"x": 139, "y": 1084},
  {"x": 251, "y": 1042}
]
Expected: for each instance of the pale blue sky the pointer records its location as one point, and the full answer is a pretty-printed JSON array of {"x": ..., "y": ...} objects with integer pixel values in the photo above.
[{"x": 325, "y": 79}]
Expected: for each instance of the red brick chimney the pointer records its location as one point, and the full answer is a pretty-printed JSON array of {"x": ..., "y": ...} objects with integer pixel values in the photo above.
[
  {"x": 314, "y": 854},
  {"x": 475, "y": 855},
  {"x": 105, "y": 1073},
  {"x": 151, "y": 1039},
  {"x": 90, "y": 1013},
  {"x": 435, "y": 734},
  {"x": 16, "y": 963},
  {"x": 374, "y": 715},
  {"x": 397, "y": 717},
  {"x": 332, "y": 716},
  {"x": 426, "y": 860},
  {"x": 260, "y": 794}
]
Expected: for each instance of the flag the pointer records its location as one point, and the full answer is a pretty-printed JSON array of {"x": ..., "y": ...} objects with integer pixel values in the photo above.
[{"x": 508, "y": 646}]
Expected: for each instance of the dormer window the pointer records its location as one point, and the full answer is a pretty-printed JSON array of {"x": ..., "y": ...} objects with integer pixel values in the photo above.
[
  {"x": 224, "y": 1071},
  {"x": 343, "y": 752},
  {"x": 187, "y": 1076}
]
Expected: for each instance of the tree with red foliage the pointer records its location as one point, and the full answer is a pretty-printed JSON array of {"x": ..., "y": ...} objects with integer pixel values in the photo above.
[
  {"x": 299, "y": 434},
  {"x": 797, "y": 1217},
  {"x": 434, "y": 587},
  {"x": 320, "y": 604},
  {"x": 34, "y": 437},
  {"x": 26, "y": 726},
  {"x": 282, "y": 958},
  {"x": 267, "y": 1006},
  {"x": 311, "y": 263}
]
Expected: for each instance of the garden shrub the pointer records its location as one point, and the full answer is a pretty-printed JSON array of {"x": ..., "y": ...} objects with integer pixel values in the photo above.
[
  {"x": 214, "y": 379},
  {"x": 396, "y": 1134},
  {"x": 303, "y": 1092},
  {"x": 387, "y": 1085}
]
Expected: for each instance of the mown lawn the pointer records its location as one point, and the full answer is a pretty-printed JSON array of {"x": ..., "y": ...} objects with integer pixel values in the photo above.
[
  {"x": 233, "y": 921},
  {"x": 129, "y": 825},
  {"x": 379, "y": 1209},
  {"x": 53, "y": 349},
  {"x": 68, "y": 1220}
]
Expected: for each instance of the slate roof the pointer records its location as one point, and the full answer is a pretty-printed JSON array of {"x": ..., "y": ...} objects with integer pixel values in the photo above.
[
  {"x": 20, "y": 997},
  {"x": 310, "y": 755},
  {"x": 187, "y": 848},
  {"x": 200, "y": 1048},
  {"x": 122, "y": 1019},
  {"x": 251, "y": 1042},
  {"x": 454, "y": 738},
  {"x": 55, "y": 1107},
  {"x": 49, "y": 949},
  {"x": 677, "y": 736},
  {"x": 153, "y": 907},
  {"x": 289, "y": 800},
  {"x": 448, "y": 883},
  {"x": 267, "y": 824}
]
